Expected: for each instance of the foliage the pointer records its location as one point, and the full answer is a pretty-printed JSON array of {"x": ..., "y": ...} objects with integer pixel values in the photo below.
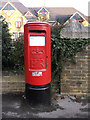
[
  {"x": 18, "y": 53},
  {"x": 63, "y": 50},
  {"x": 6, "y": 45}
]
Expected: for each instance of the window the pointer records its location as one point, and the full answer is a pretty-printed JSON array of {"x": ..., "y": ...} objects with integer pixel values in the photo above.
[
  {"x": 43, "y": 12},
  {"x": 74, "y": 17},
  {"x": 8, "y": 7},
  {"x": 28, "y": 14},
  {"x": 78, "y": 18},
  {"x": 17, "y": 34},
  {"x": 18, "y": 23}
]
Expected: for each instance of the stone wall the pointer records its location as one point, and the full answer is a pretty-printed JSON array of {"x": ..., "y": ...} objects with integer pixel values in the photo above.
[
  {"x": 75, "y": 30},
  {"x": 75, "y": 76}
]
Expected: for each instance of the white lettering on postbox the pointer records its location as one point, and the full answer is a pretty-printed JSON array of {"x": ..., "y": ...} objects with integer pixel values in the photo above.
[{"x": 36, "y": 73}]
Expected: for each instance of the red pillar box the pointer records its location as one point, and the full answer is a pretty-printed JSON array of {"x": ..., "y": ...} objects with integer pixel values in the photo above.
[{"x": 37, "y": 60}]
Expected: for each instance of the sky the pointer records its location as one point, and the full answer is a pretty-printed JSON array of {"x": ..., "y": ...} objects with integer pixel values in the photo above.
[{"x": 81, "y": 5}]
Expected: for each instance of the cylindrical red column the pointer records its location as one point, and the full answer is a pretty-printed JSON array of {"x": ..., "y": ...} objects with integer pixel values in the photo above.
[{"x": 37, "y": 60}]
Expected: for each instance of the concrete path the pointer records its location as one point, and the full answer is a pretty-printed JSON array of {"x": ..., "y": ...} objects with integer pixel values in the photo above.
[{"x": 16, "y": 106}]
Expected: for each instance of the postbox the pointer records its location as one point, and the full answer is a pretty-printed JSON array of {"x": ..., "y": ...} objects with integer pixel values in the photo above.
[{"x": 37, "y": 60}]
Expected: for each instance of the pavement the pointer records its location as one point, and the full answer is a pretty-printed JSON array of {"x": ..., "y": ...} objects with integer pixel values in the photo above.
[{"x": 62, "y": 106}]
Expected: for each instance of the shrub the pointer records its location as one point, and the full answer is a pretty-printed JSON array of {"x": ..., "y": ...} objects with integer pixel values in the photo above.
[
  {"x": 18, "y": 53},
  {"x": 6, "y": 45}
]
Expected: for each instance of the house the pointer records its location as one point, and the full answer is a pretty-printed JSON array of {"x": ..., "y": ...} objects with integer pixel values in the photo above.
[
  {"x": 60, "y": 14},
  {"x": 16, "y": 15}
]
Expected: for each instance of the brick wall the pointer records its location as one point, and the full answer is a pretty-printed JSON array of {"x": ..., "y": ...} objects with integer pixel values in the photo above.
[
  {"x": 12, "y": 82},
  {"x": 75, "y": 76}
]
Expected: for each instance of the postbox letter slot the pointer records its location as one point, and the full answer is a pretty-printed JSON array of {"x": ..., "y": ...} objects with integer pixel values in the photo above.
[{"x": 37, "y": 31}]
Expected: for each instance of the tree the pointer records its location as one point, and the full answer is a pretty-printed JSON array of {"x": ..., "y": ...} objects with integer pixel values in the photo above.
[{"x": 6, "y": 45}]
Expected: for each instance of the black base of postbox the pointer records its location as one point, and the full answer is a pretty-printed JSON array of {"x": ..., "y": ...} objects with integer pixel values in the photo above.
[{"x": 38, "y": 95}]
